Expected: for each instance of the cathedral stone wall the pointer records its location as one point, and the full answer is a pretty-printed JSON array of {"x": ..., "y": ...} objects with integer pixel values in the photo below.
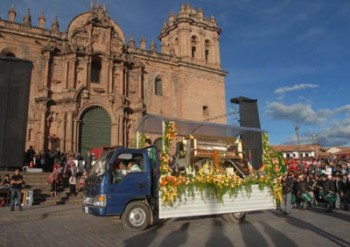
[{"x": 91, "y": 65}]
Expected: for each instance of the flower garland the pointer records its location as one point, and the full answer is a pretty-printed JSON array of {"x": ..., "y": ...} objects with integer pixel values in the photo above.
[
  {"x": 212, "y": 181},
  {"x": 273, "y": 168},
  {"x": 168, "y": 137}
]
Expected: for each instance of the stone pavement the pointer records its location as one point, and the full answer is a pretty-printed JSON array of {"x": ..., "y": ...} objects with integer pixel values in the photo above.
[{"x": 67, "y": 225}]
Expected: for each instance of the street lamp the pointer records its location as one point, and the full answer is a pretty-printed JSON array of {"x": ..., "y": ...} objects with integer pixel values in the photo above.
[
  {"x": 314, "y": 138},
  {"x": 297, "y": 132}
]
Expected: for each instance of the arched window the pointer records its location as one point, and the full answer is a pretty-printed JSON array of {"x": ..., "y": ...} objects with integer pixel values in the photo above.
[
  {"x": 205, "y": 112},
  {"x": 193, "y": 46},
  {"x": 10, "y": 54},
  {"x": 158, "y": 87},
  {"x": 206, "y": 50},
  {"x": 6, "y": 52},
  {"x": 96, "y": 66}
]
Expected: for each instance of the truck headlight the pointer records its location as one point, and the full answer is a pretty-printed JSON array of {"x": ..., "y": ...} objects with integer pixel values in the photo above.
[{"x": 100, "y": 200}]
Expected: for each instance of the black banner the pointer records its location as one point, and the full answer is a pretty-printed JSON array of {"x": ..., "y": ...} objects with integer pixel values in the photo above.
[{"x": 15, "y": 76}]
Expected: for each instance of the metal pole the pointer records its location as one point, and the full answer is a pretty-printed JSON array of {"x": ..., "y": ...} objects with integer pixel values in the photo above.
[
  {"x": 314, "y": 138},
  {"x": 297, "y": 132}
]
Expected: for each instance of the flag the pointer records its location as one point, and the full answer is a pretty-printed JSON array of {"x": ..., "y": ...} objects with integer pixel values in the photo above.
[
  {"x": 250, "y": 161},
  {"x": 281, "y": 163},
  {"x": 262, "y": 168}
]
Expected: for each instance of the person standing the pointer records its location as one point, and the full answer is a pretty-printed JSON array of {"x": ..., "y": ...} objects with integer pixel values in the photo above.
[
  {"x": 88, "y": 161},
  {"x": 328, "y": 191},
  {"x": 287, "y": 184},
  {"x": 337, "y": 185},
  {"x": 305, "y": 196},
  {"x": 345, "y": 191},
  {"x": 53, "y": 181},
  {"x": 69, "y": 170},
  {"x": 16, "y": 187},
  {"x": 30, "y": 156},
  {"x": 72, "y": 185}
]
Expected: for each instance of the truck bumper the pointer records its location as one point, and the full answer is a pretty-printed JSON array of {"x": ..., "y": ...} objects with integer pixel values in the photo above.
[{"x": 98, "y": 211}]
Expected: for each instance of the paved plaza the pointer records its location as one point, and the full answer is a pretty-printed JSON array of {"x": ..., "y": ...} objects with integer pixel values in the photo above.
[{"x": 66, "y": 225}]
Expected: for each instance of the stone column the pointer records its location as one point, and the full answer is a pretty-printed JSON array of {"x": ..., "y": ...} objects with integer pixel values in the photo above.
[
  {"x": 110, "y": 83},
  {"x": 184, "y": 42},
  {"x": 69, "y": 132},
  {"x": 41, "y": 133},
  {"x": 72, "y": 72},
  {"x": 118, "y": 78},
  {"x": 87, "y": 71},
  {"x": 217, "y": 52},
  {"x": 66, "y": 74},
  {"x": 75, "y": 134},
  {"x": 114, "y": 134},
  {"x": 62, "y": 135},
  {"x": 200, "y": 47},
  {"x": 45, "y": 73}
]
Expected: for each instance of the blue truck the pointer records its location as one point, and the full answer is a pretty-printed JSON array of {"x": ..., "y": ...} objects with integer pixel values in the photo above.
[
  {"x": 136, "y": 198},
  {"x": 133, "y": 196}
]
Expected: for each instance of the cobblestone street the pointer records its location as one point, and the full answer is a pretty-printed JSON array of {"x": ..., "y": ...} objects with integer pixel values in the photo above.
[{"x": 67, "y": 225}]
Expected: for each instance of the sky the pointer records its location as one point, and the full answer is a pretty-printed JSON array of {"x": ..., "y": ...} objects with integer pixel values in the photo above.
[{"x": 293, "y": 56}]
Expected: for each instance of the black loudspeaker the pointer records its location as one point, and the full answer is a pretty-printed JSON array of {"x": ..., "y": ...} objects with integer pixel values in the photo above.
[
  {"x": 15, "y": 76},
  {"x": 249, "y": 117}
]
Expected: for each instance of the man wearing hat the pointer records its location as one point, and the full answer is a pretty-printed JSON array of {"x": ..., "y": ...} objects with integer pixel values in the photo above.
[
  {"x": 328, "y": 191},
  {"x": 337, "y": 185},
  {"x": 287, "y": 183},
  {"x": 344, "y": 190}
]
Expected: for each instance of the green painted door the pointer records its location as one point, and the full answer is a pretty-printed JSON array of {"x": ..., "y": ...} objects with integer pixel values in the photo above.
[{"x": 95, "y": 129}]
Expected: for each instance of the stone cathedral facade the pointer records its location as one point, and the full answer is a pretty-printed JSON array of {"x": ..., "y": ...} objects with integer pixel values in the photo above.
[{"x": 90, "y": 85}]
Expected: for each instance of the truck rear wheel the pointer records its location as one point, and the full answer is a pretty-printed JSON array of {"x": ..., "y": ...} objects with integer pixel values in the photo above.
[
  {"x": 136, "y": 216},
  {"x": 234, "y": 217}
]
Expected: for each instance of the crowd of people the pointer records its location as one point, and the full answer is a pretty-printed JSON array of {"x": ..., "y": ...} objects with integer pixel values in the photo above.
[
  {"x": 69, "y": 172},
  {"x": 316, "y": 181},
  {"x": 66, "y": 169},
  {"x": 309, "y": 183},
  {"x": 47, "y": 160}
]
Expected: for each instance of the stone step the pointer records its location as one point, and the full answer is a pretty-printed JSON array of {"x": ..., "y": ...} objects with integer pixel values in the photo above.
[{"x": 37, "y": 182}]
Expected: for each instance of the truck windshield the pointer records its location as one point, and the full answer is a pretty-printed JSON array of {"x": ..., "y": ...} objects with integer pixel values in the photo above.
[{"x": 100, "y": 165}]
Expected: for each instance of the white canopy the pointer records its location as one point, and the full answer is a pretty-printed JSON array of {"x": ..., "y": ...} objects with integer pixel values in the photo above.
[{"x": 153, "y": 124}]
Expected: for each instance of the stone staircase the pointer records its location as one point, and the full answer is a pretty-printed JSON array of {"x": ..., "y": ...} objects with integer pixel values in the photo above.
[{"x": 37, "y": 182}]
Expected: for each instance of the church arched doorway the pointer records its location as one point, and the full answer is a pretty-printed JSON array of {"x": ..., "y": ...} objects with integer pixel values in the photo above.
[{"x": 95, "y": 129}]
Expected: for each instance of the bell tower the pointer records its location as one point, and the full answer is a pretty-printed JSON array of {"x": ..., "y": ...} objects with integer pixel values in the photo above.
[{"x": 192, "y": 37}]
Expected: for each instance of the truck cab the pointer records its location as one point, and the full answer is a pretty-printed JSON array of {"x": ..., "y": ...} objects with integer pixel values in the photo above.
[{"x": 122, "y": 183}]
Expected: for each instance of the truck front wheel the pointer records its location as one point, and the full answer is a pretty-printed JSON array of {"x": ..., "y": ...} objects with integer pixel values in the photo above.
[
  {"x": 234, "y": 217},
  {"x": 136, "y": 216}
]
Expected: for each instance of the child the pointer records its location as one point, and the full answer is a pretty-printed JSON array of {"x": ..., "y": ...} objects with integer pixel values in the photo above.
[{"x": 72, "y": 185}]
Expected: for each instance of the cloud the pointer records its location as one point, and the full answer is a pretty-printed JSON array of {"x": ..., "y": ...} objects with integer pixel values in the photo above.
[
  {"x": 336, "y": 135},
  {"x": 343, "y": 109},
  {"x": 312, "y": 33},
  {"x": 297, "y": 87},
  {"x": 296, "y": 113},
  {"x": 336, "y": 132}
]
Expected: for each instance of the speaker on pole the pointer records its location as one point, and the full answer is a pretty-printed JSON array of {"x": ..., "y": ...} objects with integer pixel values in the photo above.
[{"x": 249, "y": 117}]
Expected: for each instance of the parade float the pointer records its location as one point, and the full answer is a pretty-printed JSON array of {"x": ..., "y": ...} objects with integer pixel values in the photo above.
[{"x": 198, "y": 169}]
